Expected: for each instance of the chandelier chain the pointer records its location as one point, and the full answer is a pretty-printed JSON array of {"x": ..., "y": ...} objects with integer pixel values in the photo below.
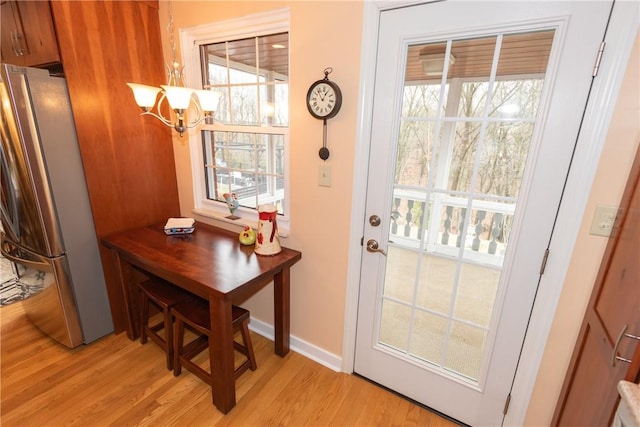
[{"x": 171, "y": 38}]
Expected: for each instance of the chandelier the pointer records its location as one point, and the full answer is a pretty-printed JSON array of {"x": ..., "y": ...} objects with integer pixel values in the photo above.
[{"x": 190, "y": 106}]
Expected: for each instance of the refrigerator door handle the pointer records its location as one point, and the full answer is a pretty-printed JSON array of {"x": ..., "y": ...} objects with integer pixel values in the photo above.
[{"x": 39, "y": 262}]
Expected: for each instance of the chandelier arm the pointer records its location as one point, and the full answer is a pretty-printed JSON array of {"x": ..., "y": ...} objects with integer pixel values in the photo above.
[
  {"x": 159, "y": 117},
  {"x": 201, "y": 116},
  {"x": 163, "y": 98},
  {"x": 180, "y": 124},
  {"x": 198, "y": 121},
  {"x": 199, "y": 113}
]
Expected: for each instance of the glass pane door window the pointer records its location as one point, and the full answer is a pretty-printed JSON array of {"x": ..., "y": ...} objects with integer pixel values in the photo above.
[{"x": 467, "y": 124}]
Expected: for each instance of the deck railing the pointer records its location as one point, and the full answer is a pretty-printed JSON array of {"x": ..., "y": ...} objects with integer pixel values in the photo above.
[{"x": 484, "y": 231}]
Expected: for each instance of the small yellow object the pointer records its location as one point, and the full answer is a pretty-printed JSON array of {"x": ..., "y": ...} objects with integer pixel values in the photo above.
[{"x": 247, "y": 236}]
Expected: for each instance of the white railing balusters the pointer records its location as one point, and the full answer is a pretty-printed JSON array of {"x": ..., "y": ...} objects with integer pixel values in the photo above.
[{"x": 487, "y": 235}]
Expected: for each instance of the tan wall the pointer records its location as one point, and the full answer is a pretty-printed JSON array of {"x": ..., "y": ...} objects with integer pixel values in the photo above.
[
  {"x": 320, "y": 216},
  {"x": 323, "y": 34},
  {"x": 611, "y": 176}
]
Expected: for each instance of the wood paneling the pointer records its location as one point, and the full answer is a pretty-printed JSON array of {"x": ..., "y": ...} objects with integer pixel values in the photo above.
[
  {"x": 128, "y": 159},
  {"x": 520, "y": 54},
  {"x": 243, "y": 51}
]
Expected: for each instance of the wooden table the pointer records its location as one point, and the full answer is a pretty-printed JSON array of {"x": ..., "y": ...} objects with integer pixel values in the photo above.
[{"x": 213, "y": 264}]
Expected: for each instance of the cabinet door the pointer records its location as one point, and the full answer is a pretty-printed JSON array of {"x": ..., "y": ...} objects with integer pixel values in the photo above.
[
  {"x": 607, "y": 350},
  {"x": 10, "y": 31},
  {"x": 28, "y": 35}
]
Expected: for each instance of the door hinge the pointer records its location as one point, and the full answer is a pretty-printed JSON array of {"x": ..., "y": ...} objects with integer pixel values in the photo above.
[
  {"x": 544, "y": 261},
  {"x": 596, "y": 67},
  {"x": 506, "y": 404}
]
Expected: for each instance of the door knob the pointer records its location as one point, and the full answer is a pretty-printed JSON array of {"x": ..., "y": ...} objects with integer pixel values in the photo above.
[
  {"x": 374, "y": 220},
  {"x": 373, "y": 246}
]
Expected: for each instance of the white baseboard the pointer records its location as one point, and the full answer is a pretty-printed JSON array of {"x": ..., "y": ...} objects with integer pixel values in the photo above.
[{"x": 302, "y": 347}]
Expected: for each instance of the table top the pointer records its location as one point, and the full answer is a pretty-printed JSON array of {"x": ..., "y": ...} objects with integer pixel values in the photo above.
[{"x": 209, "y": 262}]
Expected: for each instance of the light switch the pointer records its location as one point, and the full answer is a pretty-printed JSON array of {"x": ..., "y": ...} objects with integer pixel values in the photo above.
[
  {"x": 324, "y": 176},
  {"x": 603, "y": 220}
]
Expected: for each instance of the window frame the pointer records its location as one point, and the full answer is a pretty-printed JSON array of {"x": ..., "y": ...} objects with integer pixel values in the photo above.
[{"x": 259, "y": 24}]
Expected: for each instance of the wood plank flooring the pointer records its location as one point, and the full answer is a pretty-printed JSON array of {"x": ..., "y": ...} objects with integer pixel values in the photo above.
[{"x": 117, "y": 382}]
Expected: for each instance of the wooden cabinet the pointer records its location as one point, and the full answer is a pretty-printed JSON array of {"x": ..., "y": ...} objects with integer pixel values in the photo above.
[
  {"x": 608, "y": 350},
  {"x": 27, "y": 33}
]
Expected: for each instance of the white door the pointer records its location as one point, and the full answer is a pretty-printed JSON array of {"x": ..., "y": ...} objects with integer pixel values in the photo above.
[{"x": 477, "y": 107}]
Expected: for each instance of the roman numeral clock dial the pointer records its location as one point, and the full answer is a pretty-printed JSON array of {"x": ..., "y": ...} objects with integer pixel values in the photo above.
[{"x": 324, "y": 100}]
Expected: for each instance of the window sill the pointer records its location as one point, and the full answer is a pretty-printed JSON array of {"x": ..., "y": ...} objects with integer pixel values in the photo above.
[{"x": 283, "y": 225}]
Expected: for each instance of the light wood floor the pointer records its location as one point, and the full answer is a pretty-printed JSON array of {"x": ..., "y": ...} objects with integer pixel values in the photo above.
[{"x": 117, "y": 382}]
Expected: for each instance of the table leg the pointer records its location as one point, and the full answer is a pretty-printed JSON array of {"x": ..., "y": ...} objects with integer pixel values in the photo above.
[
  {"x": 223, "y": 385},
  {"x": 124, "y": 275},
  {"x": 282, "y": 311}
]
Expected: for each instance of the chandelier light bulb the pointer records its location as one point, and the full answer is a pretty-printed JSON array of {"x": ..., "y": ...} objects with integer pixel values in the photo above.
[
  {"x": 144, "y": 95},
  {"x": 178, "y": 97},
  {"x": 208, "y": 99}
]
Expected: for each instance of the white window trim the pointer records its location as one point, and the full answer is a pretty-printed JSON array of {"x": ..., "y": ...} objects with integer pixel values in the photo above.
[{"x": 271, "y": 22}]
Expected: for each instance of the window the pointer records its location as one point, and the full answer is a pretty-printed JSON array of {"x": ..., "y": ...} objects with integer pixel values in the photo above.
[{"x": 244, "y": 152}]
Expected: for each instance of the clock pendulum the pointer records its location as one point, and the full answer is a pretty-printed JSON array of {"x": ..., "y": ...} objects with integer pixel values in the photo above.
[{"x": 324, "y": 151}]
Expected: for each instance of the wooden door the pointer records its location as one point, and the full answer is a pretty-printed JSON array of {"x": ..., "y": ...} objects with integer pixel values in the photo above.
[{"x": 610, "y": 327}]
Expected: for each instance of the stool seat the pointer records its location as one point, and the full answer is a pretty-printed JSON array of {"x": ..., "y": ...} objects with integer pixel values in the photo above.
[
  {"x": 194, "y": 312},
  {"x": 164, "y": 295}
]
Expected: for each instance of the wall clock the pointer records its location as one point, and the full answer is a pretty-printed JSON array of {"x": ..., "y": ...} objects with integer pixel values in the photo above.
[{"x": 324, "y": 100}]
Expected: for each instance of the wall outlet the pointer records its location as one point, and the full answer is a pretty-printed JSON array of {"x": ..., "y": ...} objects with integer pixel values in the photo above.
[{"x": 603, "y": 220}]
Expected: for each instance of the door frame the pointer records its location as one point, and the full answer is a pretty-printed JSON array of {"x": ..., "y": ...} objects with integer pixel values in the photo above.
[{"x": 620, "y": 37}]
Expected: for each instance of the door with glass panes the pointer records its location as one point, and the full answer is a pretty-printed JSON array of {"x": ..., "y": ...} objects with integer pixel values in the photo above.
[{"x": 476, "y": 111}]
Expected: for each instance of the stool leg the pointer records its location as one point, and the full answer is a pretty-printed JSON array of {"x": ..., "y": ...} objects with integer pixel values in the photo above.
[
  {"x": 144, "y": 321},
  {"x": 178, "y": 342},
  {"x": 168, "y": 336},
  {"x": 246, "y": 338}
]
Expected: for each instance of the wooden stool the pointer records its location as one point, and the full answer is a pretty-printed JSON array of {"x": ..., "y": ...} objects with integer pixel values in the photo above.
[
  {"x": 195, "y": 313},
  {"x": 164, "y": 295}
]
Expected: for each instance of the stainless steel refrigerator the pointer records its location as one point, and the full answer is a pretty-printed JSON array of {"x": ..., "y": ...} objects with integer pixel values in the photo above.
[{"x": 48, "y": 229}]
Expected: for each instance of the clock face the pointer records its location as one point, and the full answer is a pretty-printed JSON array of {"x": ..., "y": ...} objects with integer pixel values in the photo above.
[{"x": 324, "y": 99}]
